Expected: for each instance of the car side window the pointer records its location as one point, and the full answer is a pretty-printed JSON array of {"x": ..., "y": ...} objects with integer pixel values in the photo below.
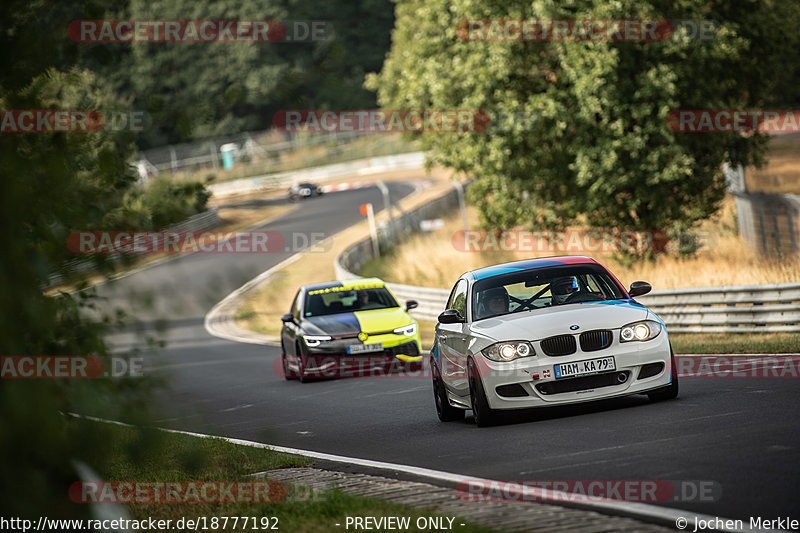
[{"x": 458, "y": 298}]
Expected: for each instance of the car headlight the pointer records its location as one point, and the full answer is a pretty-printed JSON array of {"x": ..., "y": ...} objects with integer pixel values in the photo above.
[
  {"x": 409, "y": 330},
  {"x": 640, "y": 331},
  {"x": 508, "y": 351},
  {"x": 315, "y": 340}
]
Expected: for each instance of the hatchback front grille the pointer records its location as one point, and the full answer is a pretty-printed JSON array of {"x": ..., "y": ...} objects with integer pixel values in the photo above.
[
  {"x": 559, "y": 345},
  {"x": 597, "y": 339}
]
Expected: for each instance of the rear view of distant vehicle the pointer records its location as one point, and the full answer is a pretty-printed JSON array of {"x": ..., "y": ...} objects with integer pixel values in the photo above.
[
  {"x": 548, "y": 331},
  {"x": 298, "y": 191},
  {"x": 348, "y": 328}
]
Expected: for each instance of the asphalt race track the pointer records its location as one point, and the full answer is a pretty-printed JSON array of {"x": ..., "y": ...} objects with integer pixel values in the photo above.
[{"x": 741, "y": 434}]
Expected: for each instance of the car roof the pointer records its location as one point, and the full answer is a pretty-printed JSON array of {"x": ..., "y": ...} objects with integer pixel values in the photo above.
[
  {"x": 360, "y": 283},
  {"x": 527, "y": 264}
]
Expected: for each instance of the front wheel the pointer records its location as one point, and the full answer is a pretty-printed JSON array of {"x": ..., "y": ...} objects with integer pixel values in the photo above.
[
  {"x": 484, "y": 415},
  {"x": 288, "y": 373},
  {"x": 445, "y": 411},
  {"x": 301, "y": 364},
  {"x": 670, "y": 392}
]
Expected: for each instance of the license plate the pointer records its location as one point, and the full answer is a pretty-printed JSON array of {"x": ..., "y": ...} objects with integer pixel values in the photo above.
[
  {"x": 365, "y": 348},
  {"x": 581, "y": 368}
]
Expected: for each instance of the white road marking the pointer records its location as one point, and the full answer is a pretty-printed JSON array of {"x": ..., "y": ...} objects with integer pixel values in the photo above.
[
  {"x": 228, "y": 410},
  {"x": 389, "y": 393},
  {"x": 663, "y": 515},
  {"x": 713, "y": 416}
]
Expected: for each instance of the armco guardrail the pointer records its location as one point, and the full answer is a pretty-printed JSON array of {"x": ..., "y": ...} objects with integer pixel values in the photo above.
[
  {"x": 431, "y": 301},
  {"x": 285, "y": 179},
  {"x": 735, "y": 309}
]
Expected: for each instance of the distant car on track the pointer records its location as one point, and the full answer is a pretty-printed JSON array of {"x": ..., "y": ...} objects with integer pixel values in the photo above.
[
  {"x": 304, "y": 190},
  {"x": 542, "y": 332},
  {"x": 347, "y": 328}
]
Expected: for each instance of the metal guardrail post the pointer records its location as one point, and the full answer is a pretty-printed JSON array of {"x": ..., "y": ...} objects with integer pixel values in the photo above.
[
  {"x": 173, "y": 160},
  {"x": 214, "y": 159},
  {"x": 387, "y": 205}
]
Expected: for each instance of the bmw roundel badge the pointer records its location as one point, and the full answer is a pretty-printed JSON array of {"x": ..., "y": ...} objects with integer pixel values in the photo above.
[{"x": 573, "y": 327}]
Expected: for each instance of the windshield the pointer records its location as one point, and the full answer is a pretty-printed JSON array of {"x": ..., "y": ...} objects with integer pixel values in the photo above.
[
  {"x": 545, "y": 287},
  {"x": 341, "y": 300}
]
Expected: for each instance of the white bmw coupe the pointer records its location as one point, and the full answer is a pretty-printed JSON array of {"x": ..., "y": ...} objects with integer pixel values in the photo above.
[{"x": 542, "y": 332}]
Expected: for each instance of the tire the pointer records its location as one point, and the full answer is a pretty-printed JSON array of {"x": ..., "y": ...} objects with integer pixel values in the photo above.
[
  {"x": 670, "y": 392},
  {"x": 288, "y": 373},
  {"x": 445, "y": 411},
  {"x": 301, "y": 364},
  {"x": 484, "y": 415}
]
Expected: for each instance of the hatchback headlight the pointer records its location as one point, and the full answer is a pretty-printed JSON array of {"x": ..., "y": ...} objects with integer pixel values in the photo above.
[
  {"x": 315, "y": 340},
  {"x": 409, "y": 330},
  {"x": 508, "y": 351},
  {"x": 640, "y": 331}
]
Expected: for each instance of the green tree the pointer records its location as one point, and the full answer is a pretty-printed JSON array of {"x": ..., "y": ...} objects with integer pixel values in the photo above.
[
  {"x": 580, "y": 128},
  {"x": 199, "y": 90},
  {"x": 51, "y": 184}
]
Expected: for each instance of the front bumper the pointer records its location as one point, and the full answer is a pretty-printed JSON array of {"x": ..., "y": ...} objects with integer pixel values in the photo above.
[
  {"x": 514, "y": 385},
  {"x": 331, "y": 360}
]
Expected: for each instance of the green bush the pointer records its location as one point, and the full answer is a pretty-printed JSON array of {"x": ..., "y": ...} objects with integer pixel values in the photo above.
[{"x": 163, "y": 203}]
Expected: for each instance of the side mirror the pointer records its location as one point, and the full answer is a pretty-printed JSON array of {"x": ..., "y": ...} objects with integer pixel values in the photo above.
[
  {"x": 288, "y": 317},
  {"x": 451, "y": 316},
  {"x": 411, "y": 304},
  {"x": 638, "y": 288}
]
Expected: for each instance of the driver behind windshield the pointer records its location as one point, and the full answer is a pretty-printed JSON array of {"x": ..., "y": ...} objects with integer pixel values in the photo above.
[
  {"x": 563, "y": 288},
  {"x": 495, "y": 301},
  {"x": 362, "y": 298}
]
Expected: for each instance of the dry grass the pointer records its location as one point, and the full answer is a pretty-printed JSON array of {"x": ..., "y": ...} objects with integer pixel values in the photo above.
[
  {"x": 723, "y": 260},
  {"x": 782, "y": 172}
]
